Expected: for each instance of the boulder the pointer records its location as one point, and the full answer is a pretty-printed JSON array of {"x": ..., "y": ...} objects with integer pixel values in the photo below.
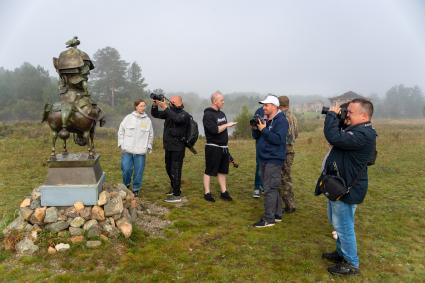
[
  {"x": 36, "y": 194},
  {"x": 51, "y": 215},
  {"x": 77, "y": 239},
  {"x": 62, "y": 247},
  {"x": 76, "y": 231},
  {"x": 77, "y": 222},
  {"x": 113, "y": 206},
  {"x": 35, "y": 203},
  {"x": 94, "y": 231},
  {"x": 25, "y": 203},
  {"x": 57, "y": 226},
  {"x": 38, "y": 216},
  {"x": 89, "y": 224},
  {"x": 78, "y": 206},
  {"x": 125, "y": 227},
  {"x": 71, "y": 212},
  {"x": 85, "y": 213},
  {"x": 97, "y": 213},
  {"x": 93, "y": 244},
  {"x": 103, "y": 198},
  {"x": 25, "y": 212},
  {"x": 26, "y": 247},
  {"x": 51, "y": 250}
]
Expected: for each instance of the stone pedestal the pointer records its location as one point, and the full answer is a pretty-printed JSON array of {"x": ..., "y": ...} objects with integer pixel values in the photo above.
[{"x": 71, "y": 178}]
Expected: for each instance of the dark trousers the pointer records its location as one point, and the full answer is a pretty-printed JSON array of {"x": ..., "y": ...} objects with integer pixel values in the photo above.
[
  {"x": 270, "y": 174},
  {"x": 174, "y": 165}
]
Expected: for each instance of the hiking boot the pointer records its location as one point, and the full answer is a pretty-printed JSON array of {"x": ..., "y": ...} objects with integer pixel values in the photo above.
[
  {"x": 226, "y": 196},
  {"x": 256, "y": 193},
  {"x": 263, "y": 223},
  {"x": 333, "y": 256},
  {"x": 173, "y": 199},
  {"x": 277, "y": 218},
  {"x": 209, "y": 197},
  {"x": 343, "y": 268}
]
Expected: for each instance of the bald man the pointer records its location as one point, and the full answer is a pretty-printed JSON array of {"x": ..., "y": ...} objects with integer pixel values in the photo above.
[
  {"x": 216, "y": 151},
  {"x": 175, "y": 127}
]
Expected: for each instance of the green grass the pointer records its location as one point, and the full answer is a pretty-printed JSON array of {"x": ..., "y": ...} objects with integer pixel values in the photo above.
[{"x": 215, "y": 242}]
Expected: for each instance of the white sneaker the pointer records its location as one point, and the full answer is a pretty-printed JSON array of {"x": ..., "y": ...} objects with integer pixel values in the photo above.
[{"x": 256, "y": 194}]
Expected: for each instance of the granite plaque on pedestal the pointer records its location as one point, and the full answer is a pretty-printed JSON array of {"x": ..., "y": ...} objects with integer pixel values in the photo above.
[{"x": 71, "y": 178}]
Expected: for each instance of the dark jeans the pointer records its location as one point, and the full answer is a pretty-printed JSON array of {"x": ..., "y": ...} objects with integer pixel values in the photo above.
[
  {"x": 174, "y": 165},
  {"x": 271, "y": 182},
  {"x": 258, "y": 184}
]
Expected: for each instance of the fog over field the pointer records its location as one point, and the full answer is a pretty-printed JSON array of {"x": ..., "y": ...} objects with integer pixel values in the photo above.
[{"x": 285, "y": 47}]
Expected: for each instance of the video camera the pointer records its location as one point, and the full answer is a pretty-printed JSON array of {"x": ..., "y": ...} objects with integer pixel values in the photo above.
[{"x": 256, "y": 120}]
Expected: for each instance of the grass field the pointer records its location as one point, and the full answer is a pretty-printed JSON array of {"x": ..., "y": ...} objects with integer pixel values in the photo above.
[{"x": 215, "y": 242}]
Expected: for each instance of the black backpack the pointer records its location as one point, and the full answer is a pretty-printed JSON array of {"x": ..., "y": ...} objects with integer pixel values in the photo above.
[{"x": 192, "y": 133}]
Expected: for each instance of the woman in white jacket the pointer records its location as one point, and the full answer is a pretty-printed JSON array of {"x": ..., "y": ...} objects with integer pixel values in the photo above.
[{"x": 135, "y": 137}]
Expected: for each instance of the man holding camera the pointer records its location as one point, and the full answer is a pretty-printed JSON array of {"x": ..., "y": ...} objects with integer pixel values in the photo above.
[
  {"x": 352, "y": 149},
  {"x": 175, "y": 127},
  {"x": 271, "y": 148}
]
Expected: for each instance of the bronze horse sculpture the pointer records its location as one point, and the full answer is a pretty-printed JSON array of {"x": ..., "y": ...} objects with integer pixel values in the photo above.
[
  {"x": 81, "y": 124},
  {"x": 75, "y": 113}
]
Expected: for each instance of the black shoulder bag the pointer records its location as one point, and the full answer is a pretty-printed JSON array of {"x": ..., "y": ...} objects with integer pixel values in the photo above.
[{"x": 334, "y": 187}]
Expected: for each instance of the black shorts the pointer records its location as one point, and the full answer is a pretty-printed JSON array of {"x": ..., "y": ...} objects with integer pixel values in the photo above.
[{"x": 216, "y": 160}]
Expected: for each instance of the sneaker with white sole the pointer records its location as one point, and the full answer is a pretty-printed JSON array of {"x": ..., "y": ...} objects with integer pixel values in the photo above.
[
  {"x": 256, "y": 194},
  {"x": 277, "y": 218},
  {"x": 263, "y": 223},
  {"x": 173, "y": 199}
]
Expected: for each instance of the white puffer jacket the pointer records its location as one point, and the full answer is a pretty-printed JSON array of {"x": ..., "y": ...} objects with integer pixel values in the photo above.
[{"x": 135, "y": 134}]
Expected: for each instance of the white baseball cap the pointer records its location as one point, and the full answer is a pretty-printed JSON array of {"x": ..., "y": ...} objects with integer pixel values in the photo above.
[{"x": 271, "y": 99}]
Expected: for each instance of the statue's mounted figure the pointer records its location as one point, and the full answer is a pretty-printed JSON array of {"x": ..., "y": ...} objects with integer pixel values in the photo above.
[{"x": 75, "y": 113}]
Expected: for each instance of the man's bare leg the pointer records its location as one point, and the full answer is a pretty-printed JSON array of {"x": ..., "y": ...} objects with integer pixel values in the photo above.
[{"x": 221, "y": 178}]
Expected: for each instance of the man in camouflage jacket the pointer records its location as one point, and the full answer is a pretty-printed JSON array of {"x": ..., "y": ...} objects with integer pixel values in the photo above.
[{"x": 286, "y": 184}]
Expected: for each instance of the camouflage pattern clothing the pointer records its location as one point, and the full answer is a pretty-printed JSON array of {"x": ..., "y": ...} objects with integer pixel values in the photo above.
[{"x": 286, "y": 189}]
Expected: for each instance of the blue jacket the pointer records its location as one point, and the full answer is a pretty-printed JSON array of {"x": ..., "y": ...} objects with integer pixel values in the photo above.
[
  {"x": 351, "y": 151},
  {"x": 271, "y": 141}
]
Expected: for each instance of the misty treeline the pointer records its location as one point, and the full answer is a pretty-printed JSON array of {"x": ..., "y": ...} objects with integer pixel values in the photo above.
[{"x": 115, "y": 83}]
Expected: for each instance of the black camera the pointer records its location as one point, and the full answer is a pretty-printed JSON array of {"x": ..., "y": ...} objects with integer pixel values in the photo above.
[
  {"x": 342, "y": 115},
  {"x": 157, "y": 96},
  {"x": 256, "y": 120}
]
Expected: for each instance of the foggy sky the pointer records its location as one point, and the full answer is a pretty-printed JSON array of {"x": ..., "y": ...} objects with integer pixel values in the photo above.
[{"x": 284, "y": 47}]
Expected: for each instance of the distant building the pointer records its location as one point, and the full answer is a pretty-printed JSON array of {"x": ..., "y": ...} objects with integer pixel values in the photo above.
[
  {"x": 315, "y": 106},
  {"x": 343, "y": 98}
]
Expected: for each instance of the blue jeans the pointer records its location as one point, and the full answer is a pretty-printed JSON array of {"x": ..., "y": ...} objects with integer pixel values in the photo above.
[
  {"x": 341, "y": 216},
  {"x": 132, "y": 165}
]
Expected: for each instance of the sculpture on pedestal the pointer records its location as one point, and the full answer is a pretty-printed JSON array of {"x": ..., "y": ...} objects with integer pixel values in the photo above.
[{"x": 76, "y": 113}]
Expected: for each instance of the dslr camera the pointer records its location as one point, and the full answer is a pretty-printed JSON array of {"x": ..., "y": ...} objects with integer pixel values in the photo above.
[
  {"x": 158, "y": 94},
  {"x": 256, "y": 120},
  {"x": 342, "y": 115}
]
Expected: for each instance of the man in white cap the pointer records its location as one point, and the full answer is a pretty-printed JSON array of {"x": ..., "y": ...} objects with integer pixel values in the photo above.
[{"x": 271, "y": 148}]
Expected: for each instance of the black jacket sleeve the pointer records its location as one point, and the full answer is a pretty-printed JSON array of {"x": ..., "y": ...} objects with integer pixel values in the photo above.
[
  {"x": 158, "y": 114},
  {"x": 344, "y": 139}
]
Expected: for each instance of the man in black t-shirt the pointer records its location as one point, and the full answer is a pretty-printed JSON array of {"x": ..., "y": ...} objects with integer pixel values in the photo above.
[{"x": 216, "y": 150}]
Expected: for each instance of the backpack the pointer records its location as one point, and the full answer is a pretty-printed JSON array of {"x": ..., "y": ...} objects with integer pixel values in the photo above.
[{"x": 192, "y": 133}]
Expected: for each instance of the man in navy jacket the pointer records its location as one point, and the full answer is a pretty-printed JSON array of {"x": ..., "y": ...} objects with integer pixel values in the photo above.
[
  {"x": 271, "y": 150},
  {"x": 352, "y": 149}
]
